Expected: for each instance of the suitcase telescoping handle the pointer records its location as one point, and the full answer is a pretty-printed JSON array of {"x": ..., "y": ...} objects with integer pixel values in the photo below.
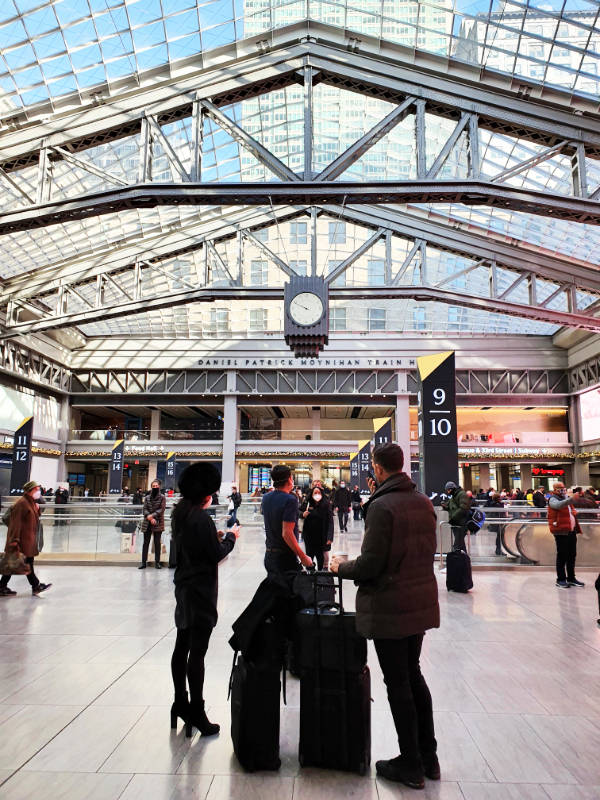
[{"x": 325, "y": 580}]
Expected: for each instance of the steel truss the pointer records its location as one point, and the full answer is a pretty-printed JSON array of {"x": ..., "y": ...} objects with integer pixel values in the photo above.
[
  {"x": 132, "y": 288},
  {"x": 307, "y": 55},
  {"x": 294, "y": 383},
  {"x": 585, "y": 375},
  {"x": 28, "y": 365}
]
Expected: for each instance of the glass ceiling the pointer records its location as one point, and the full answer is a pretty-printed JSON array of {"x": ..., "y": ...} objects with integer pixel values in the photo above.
[{"x": 56, "y": 51}]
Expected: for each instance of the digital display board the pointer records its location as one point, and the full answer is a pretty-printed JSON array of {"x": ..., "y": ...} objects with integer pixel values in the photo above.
[{"x": 590, "y": 415}]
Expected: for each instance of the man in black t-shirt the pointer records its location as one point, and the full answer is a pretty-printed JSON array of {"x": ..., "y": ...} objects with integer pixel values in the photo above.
[{"x": 280, "y": 513}]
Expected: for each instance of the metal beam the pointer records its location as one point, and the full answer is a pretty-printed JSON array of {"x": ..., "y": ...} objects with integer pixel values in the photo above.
[
  {"x": 17, "y": 187},
  {"x": 228, "y": 293},
  {"x": 366, "y": 142},
  {"x": 383, "y": 68},
  {"x": 244, "y": 139},
  {"x": 522, "y": 166},
  {"x": 172, "y": 157},
  {"x": 448, "y": 146},
  {"x": 308, "y": 122},
  {"x": 308, "y": 193},
  {"x": 88, "y": 166}
]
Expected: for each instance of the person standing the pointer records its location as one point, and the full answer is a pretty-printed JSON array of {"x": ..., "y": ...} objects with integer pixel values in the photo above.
[
  {"x": 280, "y": 514},
  {"x": 154, "y": 522},
  {"x": 23, "y": 525},
  {"x": 356, "y": 502},
  {"x": 581, "y": 501},
  {"x": 458, "y": 506},
  {"x": 200, "y": 548},
  {"x": 341, "y": 503},
  {"x": 397, "y": 602},
  {"x": 316, "y": 527},
  {"x": 61, "y": 498},
  {"x": 562, "y": 521},
  {"x": 138, "y": 497}
]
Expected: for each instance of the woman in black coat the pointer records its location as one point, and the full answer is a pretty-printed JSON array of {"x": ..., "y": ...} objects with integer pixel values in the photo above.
[
  {"x": 316, "y": 526},
  {"x": 199, "y": 548}
]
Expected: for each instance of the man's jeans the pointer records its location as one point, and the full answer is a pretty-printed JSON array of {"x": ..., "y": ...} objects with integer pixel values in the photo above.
[
  {"x": 343, "y": 518},
  {"x": 409, "y": 697}
]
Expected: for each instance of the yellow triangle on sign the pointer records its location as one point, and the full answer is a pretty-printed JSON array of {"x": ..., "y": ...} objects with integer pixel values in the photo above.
[
  {"x": 427, "y": 364},
  {"x": 379, "y": 423},
  {"x": 353, "y": 455},
  {"x": 116, "y": 444},
  {"x": 363, "y": 444},
  {"x": 170, "y": 455},
  {"x": 25, "y": 421}
]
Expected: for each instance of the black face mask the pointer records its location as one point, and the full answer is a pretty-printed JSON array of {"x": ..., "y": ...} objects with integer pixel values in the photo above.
[{"x": 154, "y": 492}]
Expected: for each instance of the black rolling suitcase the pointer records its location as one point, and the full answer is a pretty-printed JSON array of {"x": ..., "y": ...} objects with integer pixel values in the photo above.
[
  {"x": 458, "y": 571},
  {"x": 335, "y": 687},
  {"x": 255, "y": 716}
]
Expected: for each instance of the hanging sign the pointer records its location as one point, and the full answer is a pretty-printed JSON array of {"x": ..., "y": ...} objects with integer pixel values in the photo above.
[
  {"x": 354, "y": 471},
  {"x": 115, "y": 476},
  {"x": 383, "y": 431},
  {"x": 438, "y": 443},
  {"x": 21, "y": 460},
  {"x": 170, "y": 472},
  {"x": 364, "y": 465}
]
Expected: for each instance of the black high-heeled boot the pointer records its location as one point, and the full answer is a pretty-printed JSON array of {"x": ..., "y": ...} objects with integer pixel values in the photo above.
[
  {"x": 181, "y": 709},
  {"x": 199, "y": 720}
]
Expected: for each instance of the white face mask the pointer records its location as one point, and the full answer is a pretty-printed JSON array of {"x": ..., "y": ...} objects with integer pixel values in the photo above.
[
  {"x": 37, "y": 494},
  {"x": 316, "y": 497}
]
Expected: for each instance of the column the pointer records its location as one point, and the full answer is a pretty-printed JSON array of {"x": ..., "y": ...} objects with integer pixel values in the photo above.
[
  {"x": 155, "y": 425},
  {"x": 316, "y": 423},
  {"x": 526, "y": 477},
  {"x": 467, "y": 481},
  {"x": 316, "y": 470},
  {"x": 230, "y": 436},
  {"x": 581, "y": 473},
  {"x": 152, "y": 470},
  {"x": 503, "y": 477},
  {"x": 484, "y": 476},
  {"x": 403, "y": 428},
  {"x": 64, "y": 426}
]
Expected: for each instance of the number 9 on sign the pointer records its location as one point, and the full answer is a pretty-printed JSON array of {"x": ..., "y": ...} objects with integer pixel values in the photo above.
[{"x": 439, "y": 396}]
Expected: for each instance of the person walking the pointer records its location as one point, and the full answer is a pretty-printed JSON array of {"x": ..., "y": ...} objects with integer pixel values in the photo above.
[
  {"x": 154, "y": 523},
  {"x": 23, "y": 525},
  {"x": 581, "y": 501},
  {"x": 341, "y": 504},
  {"x": 562, "y": 521},
  {"x": 397, "y": 602},
  {"x": 316, "y": 527},
  {"x": 236, "y": 499},
  {"x": 61, "y": 498},
  {"x": 280, "y": 514},
  {"x": 200, "y": 548},
  {"x": 458, "y": 506}
]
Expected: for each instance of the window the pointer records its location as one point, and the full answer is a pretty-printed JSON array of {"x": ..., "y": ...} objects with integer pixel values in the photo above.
[
  {"x": 341, "y": 279},
  {"x": 259, "y": 273},
  {"x": 419, "y": 318},
  {"x": 454, "y": 318},
  {"x": 298, "y": 232},
  {"x": 337, "y": 319},
  {"x": 258, "y": 319},
  {"x": 262, "y": 235},
  {"x": 376, "y": 272},
  {"x": 218, "y": 321},
  {"x": 299, "y": 266},
  {"x": 377, "y": 319},
  {"x": 337, "y": 233}
]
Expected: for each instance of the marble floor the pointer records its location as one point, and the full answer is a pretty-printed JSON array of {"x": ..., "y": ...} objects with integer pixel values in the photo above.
[{"x": 85, "y": 689}]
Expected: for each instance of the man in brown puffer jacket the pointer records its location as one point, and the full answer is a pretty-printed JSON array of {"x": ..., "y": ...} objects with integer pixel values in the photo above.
[{"x": 397, "y": 602}]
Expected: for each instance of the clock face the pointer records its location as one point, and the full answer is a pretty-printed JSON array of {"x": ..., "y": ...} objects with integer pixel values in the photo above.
[{"x": 306, "y": 308}]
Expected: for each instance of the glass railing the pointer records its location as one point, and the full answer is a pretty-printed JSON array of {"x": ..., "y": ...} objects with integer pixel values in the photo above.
[
  {"x": 109, "y": 531},
  {"x": 519, "y": 534}
]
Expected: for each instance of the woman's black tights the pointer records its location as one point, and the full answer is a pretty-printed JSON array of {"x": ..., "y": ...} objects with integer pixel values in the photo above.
[{"x": 188, "y": 661}]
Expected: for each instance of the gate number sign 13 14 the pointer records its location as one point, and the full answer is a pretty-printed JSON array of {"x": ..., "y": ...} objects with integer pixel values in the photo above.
[{"x": 440, "y": 425}]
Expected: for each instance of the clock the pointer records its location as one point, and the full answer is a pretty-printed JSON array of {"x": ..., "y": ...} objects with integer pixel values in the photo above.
[
  {"x": 306, "y": 308},
  {"x": 306, "y": 317}
]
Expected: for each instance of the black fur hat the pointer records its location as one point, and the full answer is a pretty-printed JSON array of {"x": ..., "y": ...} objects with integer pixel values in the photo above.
[{"x": 199, "y": 480}]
